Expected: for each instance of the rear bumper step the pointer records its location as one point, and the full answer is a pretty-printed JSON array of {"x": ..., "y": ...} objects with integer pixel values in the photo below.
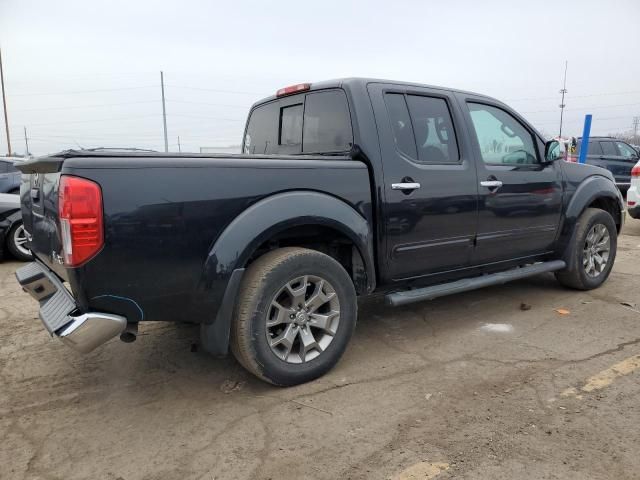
[
  {"x": 466, "y": 284},
  {"x": 59, "y": 312}
]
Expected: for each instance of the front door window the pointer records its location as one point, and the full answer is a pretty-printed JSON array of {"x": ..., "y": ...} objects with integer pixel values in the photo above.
[{"x": 502, "y": 139}]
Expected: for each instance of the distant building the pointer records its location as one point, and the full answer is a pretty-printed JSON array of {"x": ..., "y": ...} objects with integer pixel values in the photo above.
[{"x": 229, "y": 149}]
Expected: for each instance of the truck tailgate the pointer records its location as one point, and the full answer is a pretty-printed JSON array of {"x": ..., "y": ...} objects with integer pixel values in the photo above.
[{"x": 39, "y": 205}]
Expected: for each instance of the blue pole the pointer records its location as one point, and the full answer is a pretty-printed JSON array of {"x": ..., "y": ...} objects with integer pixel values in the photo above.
[{"x": 584, "y": 144}]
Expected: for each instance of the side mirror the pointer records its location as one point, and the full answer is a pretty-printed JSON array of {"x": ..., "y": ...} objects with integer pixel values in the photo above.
[{"x": 551, "y": 151}]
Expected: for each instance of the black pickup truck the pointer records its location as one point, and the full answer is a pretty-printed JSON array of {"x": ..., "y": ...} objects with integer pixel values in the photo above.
[{"x": 344, "y": 188}]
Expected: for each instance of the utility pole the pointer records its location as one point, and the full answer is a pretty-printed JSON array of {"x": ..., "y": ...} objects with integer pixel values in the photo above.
[
  {"x": 179, "y": 149},
  {"x": 164, "y": 114},
  {"x": 4, "y": 105},
  {"x": 636, "y": 122},
  {"x": 563, "y": 92},
  {"x": 26, "y": 143}
]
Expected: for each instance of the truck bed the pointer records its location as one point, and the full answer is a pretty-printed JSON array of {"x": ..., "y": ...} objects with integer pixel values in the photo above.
[{"x": 162, "y": 215}]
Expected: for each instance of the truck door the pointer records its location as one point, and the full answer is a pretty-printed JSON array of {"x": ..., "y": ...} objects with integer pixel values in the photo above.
[
  {"x": 430, "y": 185},
  {"x": 520, "y": 196},
  {"x": 626, "y": 158}
]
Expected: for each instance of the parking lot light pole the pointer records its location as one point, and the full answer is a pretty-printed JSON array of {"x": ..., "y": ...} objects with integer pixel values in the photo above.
[
  {"x": 164, "y": 114},
  {"x": 4, "y": 106}
]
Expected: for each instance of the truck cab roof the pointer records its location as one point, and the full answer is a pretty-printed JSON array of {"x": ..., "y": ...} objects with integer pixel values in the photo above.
[{"x": 348, "y": 82}]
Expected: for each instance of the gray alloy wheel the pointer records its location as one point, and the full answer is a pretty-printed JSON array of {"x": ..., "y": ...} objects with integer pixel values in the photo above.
[
  {"x": 16, "y": 242},
  {"x": 302, "y": 319},
  {"x": 591, "y": 251},
  {"x": 295, "y": 314},
  {"x": 596, "y": 250},
  {"x": 20, "y": 241}
]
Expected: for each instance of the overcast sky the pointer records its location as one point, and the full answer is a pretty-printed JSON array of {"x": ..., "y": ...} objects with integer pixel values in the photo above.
[{"x": 87, "y": 72}]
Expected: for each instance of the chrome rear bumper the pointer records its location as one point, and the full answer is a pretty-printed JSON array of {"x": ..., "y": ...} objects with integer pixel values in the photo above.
[{"x": 59, "y": 312}]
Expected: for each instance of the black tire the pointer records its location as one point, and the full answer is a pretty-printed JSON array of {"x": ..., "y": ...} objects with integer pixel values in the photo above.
[
  {"x": 264, "y": 279},
  {"x": 576, "y": 276},
  {"x": 11, "y": 241}
]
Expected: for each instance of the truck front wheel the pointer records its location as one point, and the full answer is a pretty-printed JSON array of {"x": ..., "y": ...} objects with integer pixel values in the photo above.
[
  {"x": 295, "y": 315},
  {"x": 593, "y": 251}
]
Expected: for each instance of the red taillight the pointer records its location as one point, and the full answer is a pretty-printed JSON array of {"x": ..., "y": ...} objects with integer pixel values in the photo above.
[
  {"x": 80, "y": 212},
  {"x": 301, "y": 87},
  {"x": 635, "y": 171}
]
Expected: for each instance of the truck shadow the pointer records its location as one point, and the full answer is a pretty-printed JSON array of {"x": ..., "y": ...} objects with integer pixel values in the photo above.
[{"x": 170, "y": 354}]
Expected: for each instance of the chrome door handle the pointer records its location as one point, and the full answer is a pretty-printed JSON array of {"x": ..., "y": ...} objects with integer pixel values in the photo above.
[
  {"x": 405, "y": 186},
  {"x": 491, "y": 183}
]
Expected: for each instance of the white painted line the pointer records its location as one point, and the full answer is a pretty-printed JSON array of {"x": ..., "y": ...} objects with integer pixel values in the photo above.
[{"x": 497, "y": 327}]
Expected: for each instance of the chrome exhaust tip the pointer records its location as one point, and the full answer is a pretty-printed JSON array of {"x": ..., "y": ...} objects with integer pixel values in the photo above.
[{"x": 130, "y": 333}]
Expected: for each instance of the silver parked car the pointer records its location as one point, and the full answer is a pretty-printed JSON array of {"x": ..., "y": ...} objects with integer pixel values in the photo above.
[
  {"x": 13, "y": 236},
  {"x": 9, "y": 175}
]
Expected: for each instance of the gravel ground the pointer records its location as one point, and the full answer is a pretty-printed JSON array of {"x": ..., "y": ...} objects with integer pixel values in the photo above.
[{"x": 474, "y": 386}]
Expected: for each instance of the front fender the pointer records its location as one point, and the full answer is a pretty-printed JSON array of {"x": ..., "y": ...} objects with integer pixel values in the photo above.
[
  {"x": 14, "y": 217},
  {"x": 586, "y": 193},
  {"x": 259, "y": 223}
]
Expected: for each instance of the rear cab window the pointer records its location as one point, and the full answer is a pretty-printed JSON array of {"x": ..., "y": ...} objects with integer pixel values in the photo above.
[{"x": 313, "y": 122}]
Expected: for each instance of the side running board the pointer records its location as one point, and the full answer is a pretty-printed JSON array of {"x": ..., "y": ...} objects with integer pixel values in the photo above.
[{"x": 466, "y": 284}]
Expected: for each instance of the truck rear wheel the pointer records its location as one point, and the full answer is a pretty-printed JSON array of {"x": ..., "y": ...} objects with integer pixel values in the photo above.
[
  {"x": 295, "y": 316},
  {"x": 593, "y": 251}
]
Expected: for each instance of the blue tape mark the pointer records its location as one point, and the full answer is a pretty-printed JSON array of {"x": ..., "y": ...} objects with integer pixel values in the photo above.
[{"x": 117, "y": 297}]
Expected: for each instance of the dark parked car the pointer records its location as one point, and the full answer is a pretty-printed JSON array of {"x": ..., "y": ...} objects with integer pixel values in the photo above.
[
  {"x": 9, "y": 175},
  {"x": 615, "y": 155},
  {"x": 13, "y": 237},
  {"x": 345, "y": 188}
]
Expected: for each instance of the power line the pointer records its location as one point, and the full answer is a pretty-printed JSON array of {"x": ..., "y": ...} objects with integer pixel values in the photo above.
[
  {"x": 96, "y": 120},
  {"x": 574, "y": 96},
  {"x": 216, "y": 90},
  {"x": 77, "y": 92},
  {"x": 597, "y": 119},
  {"x": 586, "y": 107},
  {"x": 85, "y": 106},
  {"x": 210, "y": 104}
]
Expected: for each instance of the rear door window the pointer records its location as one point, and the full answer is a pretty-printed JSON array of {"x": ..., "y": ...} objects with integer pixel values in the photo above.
[
  {"x": 608, "y": 148},
  {"x": 327, "y": 123},
  {"x": 422, "y": 128},
  {"x": 401, "y": 124},
  {"x": 4, "y": 167},
  {"x": 433, "y": 130},
  {"x": 594, "y": 148}
]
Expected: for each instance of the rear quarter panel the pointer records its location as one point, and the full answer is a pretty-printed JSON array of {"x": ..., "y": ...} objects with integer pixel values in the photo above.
[{"x": 163, "y": 216}]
